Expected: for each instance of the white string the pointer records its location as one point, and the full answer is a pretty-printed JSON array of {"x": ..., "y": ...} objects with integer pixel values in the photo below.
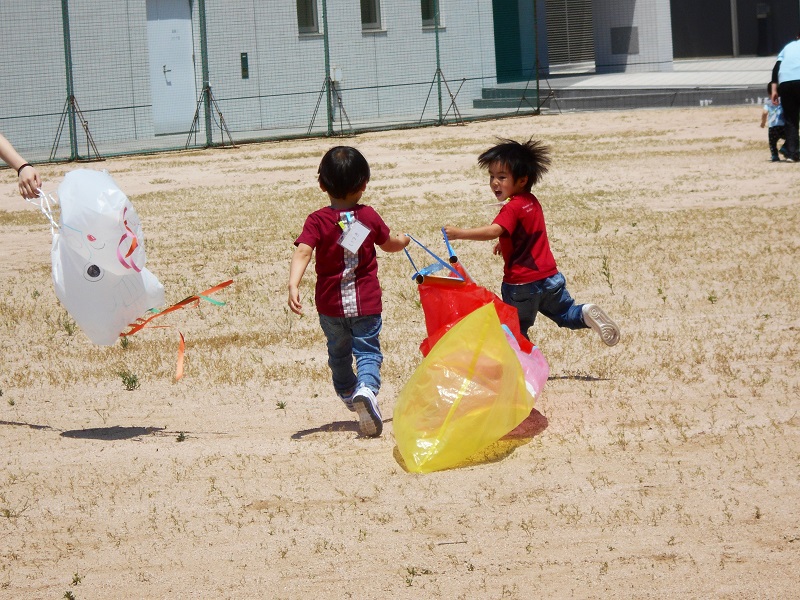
[{"x": 43, "y": 203}]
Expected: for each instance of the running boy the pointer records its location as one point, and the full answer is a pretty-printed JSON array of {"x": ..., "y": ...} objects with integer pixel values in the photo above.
[
  {"x": 348, "y": 295},
  {"x": 531, "y": 280}
]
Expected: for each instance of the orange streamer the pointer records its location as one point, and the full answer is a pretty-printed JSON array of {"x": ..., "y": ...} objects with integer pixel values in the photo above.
[{"x": 141, "y": 323}]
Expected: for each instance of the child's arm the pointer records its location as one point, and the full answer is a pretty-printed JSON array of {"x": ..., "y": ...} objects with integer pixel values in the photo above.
[
  {"x": 300, "y": 260},
  {"x": 477, "y": 234},
  {"x": 395, "y": 243},
  {"x": 763, "y": 118}
]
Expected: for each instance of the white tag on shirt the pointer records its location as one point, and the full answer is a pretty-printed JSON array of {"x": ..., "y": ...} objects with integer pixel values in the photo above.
[{"x": 354, "y": 236}]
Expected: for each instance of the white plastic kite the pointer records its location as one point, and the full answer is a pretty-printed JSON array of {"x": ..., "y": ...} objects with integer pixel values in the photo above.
[{"x": 98, "y": 257}]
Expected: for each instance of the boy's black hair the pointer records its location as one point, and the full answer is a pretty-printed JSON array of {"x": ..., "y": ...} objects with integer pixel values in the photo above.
[
  {"x": 530, "y": 159},
  {"x": 769, "y": 88},
  {"x": 343, "y": 170}
]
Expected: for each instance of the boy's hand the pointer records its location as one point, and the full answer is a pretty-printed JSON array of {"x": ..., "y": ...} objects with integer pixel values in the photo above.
[
  {"x": 294, "y": 300},
  {"x": 395, "y": 243},
  {"x": 451, "y": 232},
  {"x": 300, "y": 260},
  {"x": 496, "y": 249}
]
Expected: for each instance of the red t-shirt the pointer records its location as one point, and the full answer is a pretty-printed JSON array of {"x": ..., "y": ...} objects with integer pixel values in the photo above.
[
  {"x": 524, "y": 244},
  {"x": 347, "y": 282}
]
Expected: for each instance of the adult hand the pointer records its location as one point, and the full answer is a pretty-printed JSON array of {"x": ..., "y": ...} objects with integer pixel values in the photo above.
[{"x": 29, "y": 182}]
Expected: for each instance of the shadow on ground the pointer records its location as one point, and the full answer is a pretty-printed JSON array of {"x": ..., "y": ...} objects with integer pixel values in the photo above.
[{"x": 111, "y": 433}]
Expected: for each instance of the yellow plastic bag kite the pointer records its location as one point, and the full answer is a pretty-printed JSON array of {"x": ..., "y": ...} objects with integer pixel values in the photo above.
[{"x": 467, "y": 393}]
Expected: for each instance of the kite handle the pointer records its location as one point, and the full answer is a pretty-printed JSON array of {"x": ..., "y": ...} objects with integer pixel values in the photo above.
[
  {"x": 453, "y": 257},
  {"x": 419, "y": 275}
]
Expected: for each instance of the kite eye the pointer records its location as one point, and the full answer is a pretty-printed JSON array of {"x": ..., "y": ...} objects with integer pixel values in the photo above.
[{"x": 92, "y": 273}]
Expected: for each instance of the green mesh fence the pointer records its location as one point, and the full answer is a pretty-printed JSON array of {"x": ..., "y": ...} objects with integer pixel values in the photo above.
[{"x": 95, "y": 79}]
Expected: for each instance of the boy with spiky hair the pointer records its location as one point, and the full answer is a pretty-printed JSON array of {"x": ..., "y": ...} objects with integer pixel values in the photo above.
[{"x": 532, "y": 282}]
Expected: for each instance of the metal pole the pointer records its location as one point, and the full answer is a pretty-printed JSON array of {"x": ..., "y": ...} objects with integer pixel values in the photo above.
[
  {"x": 438, "y": 59},
  {"x": 70, "y": 104},
  {"x": 734, "y": 28},
  {"x": 536, "y": 50},
  {"x": 328, "y": 104},
  {"x": 201, "y": 8}
]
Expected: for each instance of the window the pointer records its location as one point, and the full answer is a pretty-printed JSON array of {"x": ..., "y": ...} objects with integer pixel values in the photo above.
[
  {"x": 307, "y": 16},
  {"x": 429, "y": 13},
  {"x": 370, "y": 14}
]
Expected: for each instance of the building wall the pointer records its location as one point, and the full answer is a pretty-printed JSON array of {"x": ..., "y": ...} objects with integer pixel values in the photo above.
[
  {"x": 109, "y": 67},
  {"x": 741, "y": 28},
  {"x": 382, "y": 74},
  {"x": 632, "y": 35},
  {"x": 32, "y": 81},
  {"x": 385, "y": 77}
]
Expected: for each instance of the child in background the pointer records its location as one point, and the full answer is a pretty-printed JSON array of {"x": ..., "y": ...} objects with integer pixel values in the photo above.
[
  {"x": 772, "y": 115},
  {"x": 348, "y": 294},
  {"x": 531, "y": 280}
]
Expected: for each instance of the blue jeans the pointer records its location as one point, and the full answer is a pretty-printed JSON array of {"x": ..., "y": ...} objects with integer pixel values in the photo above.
[
  {"x": 348, "y": 337},
  {"x": 547, "y": 296}
]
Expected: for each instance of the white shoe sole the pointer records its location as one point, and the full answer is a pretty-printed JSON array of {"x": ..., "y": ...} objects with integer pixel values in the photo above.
[
  {"x": 600, "y": 322},
  {"x": 370, "y": 422}
]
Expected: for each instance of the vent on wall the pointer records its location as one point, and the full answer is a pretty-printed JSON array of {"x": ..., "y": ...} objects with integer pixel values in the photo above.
[{"x": 624, "y": 40}]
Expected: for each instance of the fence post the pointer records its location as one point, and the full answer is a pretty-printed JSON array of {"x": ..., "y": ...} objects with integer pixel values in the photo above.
[
  {"x": 70, "y": 104},
  {"x": 438, "y": 59},
  {"x": 201, "y": 8},
  {"x": 328, "y": 102},
  {"x": 536, "y": 51}
]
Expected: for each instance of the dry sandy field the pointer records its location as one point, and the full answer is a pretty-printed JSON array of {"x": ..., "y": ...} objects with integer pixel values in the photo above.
[{"x": 667, "y": 466}]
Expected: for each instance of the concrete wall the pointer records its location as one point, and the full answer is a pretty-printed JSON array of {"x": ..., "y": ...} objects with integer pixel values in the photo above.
[
  {"x": 384, "y": 74},
  {"x": 632, "y": 35}
]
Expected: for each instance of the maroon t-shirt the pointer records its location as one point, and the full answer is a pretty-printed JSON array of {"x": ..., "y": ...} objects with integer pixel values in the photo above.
[
  {"x": 347, "y": 282},
  {"x": 523, "y": 243}
]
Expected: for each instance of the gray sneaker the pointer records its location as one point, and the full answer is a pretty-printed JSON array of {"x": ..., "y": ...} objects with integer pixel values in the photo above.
[
  {"x": 365, "y": 404},
  {"x": 348, "y": 400},
  {"x": 595, "y": 318}
]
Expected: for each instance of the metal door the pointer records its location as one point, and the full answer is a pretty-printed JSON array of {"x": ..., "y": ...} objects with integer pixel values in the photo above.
[{"x": 172, "y": 76}]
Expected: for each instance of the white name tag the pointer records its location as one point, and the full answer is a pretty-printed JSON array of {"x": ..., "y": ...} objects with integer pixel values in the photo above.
[{"x": 354, "y": 236}]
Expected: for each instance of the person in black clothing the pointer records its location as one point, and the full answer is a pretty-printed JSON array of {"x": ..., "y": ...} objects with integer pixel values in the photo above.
[{"x": 786, "y": 84}]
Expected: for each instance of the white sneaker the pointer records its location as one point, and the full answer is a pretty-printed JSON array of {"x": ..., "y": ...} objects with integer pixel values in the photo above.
[
  {"x": 365, "y": 404},
  {"x": 595, "y": 318}
]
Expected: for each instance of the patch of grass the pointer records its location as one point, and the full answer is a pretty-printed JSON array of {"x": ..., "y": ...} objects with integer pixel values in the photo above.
[
  {"x": 22, "y": 218},
  {"x": 130, "y": 381},
  {"x": 68, "y": 324}
]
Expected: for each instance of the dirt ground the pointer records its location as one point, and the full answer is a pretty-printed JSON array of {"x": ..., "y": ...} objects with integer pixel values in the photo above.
[{"x": 667, "y": 466}]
